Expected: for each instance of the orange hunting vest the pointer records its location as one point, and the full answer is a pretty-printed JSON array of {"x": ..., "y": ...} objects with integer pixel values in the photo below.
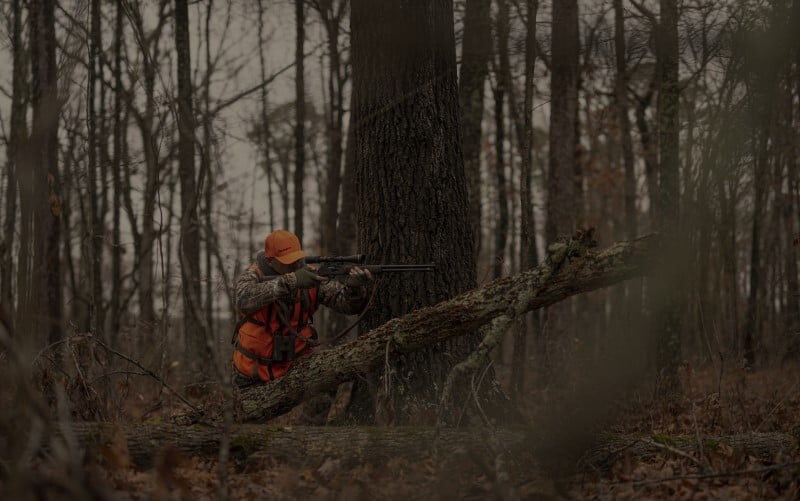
[{"x": 265, "y": 345}]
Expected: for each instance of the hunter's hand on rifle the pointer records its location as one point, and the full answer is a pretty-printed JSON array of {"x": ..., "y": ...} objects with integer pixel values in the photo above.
[
  {"x": 306, "y": 278},
  {"x": 358, "y": 277}
]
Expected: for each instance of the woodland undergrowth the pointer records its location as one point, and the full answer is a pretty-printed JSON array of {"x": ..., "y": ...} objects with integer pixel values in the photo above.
[{"x": 713, "y": 403}]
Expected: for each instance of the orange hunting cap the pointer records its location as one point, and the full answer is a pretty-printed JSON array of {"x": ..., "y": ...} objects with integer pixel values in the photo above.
[{"x": 284, "y": 246}]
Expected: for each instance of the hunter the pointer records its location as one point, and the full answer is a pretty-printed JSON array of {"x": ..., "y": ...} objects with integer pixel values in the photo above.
[{"x": 276, "y": 298}]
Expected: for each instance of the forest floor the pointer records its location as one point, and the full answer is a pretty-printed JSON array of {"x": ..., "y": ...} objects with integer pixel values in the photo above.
[{"x": 712, "y": 404}]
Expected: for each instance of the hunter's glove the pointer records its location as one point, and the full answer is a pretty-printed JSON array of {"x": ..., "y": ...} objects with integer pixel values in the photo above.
[
  {"x": 358, "y": 277},
  {"x": 306, "y": 279}
]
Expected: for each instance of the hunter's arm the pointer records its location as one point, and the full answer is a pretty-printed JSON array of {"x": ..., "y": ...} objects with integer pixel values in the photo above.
[
  {"x": 252, "y": 294},
  {"x": 343, "y": 298}
]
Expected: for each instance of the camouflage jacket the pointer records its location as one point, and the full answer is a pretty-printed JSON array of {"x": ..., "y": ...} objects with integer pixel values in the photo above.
[{"x": 254, "y": 293}]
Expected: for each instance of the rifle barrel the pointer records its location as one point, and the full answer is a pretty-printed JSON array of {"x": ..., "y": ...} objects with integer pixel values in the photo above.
[{"x": 404, "y": 267}]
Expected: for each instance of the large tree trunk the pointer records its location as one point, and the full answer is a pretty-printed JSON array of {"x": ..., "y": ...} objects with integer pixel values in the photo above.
[
  {"x": 189, "y": 247},
  {"x": 307, "y": 446},
  {"x": 570, "y": 269},
  {"x": 411, "y": 187},
  {"x": 475, "y": 55}
]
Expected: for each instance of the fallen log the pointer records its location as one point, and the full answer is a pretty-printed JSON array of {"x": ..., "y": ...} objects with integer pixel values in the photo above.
[
  {"x": 302, "y": 445},
  {"x": 572, "y": 267},
  {"x": 310, "y": 445}
]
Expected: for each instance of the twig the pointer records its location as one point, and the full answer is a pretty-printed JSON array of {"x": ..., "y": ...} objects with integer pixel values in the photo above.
[
  {"x": 49, "y": 347},
  {"x": 115, "y": 373},
  {"x": 231, "y": 100},
  {"x": 147, "y": 371},
  {"x": 678, "y": 452},
  {"x": 478, "y": 401},
  {"x": 645, "y": 12}
]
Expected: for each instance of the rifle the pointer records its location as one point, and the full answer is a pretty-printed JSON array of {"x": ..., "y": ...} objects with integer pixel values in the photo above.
[{"x": 340, "y": 266}]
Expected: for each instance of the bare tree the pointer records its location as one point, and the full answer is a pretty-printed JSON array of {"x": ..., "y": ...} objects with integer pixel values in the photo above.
[
  {"x": 669, "y": 320},
  {"x": 265, "y": 137},
  {"x": 529, "y": 255},
  {"x": 563, "y": 118},
  {"x": 17, "y": 138},
  {"x": 502, "y": 68},
  {"x": 120, "y": 129},
  {"x": 621, "y": 83},
  {"x": 475, "y": 54},
  {"x": 38, "y": 265},
  {"x": 332, "y": 14},
  {"x": 94, "y": 238},
  {"x": 189, "y": 247},
  {"x": 300, "y": 117}
]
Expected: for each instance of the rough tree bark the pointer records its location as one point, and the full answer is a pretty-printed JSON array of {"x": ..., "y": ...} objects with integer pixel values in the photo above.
[
  {"x": 410, "y": 182},
  {"x": 570, "y": 269},
  {"x": 475, "y": 55}
]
